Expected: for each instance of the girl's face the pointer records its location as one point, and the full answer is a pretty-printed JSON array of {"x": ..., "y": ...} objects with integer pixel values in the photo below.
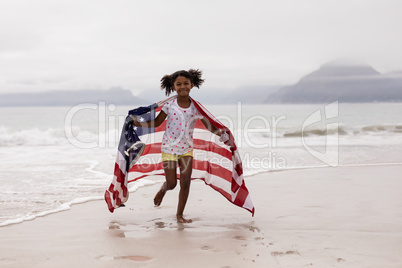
[{"x": 182, "y": 85}]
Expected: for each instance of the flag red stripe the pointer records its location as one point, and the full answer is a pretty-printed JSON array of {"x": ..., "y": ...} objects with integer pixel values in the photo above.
[
  {"x": 213, "y": 169},
  {"x": 109, "y": 201},
  {"x": 155, "y": 148},
  {"x": 200, "y": 125},
  {"x": 209, "y": 167},
  {"x": 211, "y": 147},
  {"x": 239, "y": 169},
  {"x": 234, "y": 186},
  {"x": 146, "y": 168},
  {"x": 120, "y": 178},
  {"x": 146, "y": 175},
  {"x": 241, "y": 195}
]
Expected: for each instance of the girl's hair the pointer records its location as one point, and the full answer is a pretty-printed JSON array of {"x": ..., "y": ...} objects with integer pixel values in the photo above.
[{"x": 167, "y": 81}]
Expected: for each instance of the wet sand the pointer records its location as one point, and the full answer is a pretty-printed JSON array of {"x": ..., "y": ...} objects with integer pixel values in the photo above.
[{"x": 324, "y": 217}]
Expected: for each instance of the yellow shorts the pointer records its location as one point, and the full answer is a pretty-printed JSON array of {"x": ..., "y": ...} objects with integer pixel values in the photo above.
[{"x": 172, "y": 157}]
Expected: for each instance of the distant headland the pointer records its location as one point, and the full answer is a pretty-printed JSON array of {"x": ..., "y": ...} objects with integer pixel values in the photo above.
[
  {"x": 117, "y": 95},
  {"x": 336, "y": 81}
]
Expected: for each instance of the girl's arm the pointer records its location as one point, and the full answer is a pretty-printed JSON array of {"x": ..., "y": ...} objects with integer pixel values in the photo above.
[
  {"x": 211, "y": 127},
  {"x": 153, "y": 123}
]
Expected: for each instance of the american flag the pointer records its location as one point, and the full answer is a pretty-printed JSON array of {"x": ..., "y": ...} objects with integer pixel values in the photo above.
[{"x": 215, "y": 162}]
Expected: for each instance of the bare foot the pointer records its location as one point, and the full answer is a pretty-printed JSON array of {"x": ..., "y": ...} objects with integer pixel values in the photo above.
[
  {"x": 183, "y": 220},
  {"x": 159, "y": 197}
]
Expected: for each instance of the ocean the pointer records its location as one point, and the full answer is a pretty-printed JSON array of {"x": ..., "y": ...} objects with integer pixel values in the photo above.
[{"x": 53, "y": 157}]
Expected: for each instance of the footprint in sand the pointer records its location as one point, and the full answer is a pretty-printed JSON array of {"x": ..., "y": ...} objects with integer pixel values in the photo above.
[
  {"x": 115, "y": 225},
  {"x": 160, "y": 224},
  {"x": 121, "y": 235},
  {"x": 210, "y": 248},
  {"x": 251, "y": 228},
  {"x": 131, "y": 258},
  {"x": 290, "y": 252},
  {"x": 6, "y": 262},
  {"x": 115, "y": 229},
  {"x": 239, "y": 237},
  {"x": 206, "y": 248}
]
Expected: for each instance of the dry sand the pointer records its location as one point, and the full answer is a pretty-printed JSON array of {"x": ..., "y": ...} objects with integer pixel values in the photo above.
[{"x": 326, "y": 217}]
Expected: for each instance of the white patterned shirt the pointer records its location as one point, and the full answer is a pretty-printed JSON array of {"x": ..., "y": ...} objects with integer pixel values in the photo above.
[{"x": 178, "y": 137}]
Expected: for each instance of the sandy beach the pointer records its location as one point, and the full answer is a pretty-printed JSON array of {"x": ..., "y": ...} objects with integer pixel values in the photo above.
[{"x": 323, "y": 217}]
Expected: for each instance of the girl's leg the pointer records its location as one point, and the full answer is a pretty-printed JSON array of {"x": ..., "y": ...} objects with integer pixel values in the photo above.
[
  {"x": 170, "y": 168},
  {"x": 186, "y": 167}
]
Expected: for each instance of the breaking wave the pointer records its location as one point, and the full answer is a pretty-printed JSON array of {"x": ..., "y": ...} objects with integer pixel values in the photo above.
[
  {"x": 342, "y": 130},
  {"x": 40, "y": 137}
]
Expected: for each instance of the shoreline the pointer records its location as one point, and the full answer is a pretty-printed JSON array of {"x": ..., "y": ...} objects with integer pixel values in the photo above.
[
  {"x": 82, "y": 200},
  {"x": 319, "y": 217}
]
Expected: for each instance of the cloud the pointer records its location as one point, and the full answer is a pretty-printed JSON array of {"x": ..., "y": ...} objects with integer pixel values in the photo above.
[{"x": 134, "y": 43}]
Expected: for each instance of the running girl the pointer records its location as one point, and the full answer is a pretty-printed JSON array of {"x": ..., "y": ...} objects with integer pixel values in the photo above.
[{"x": 177, "y": 142}]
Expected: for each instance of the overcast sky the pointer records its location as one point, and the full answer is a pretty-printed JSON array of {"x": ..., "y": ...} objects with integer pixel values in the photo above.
[{"x": 99, "y": 44}]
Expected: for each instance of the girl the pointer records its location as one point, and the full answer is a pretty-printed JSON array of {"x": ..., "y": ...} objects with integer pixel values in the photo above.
[{"x": 177, "y": 142}]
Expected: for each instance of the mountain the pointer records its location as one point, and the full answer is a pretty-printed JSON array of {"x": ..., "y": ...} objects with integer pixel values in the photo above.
[
  {"x": 250, "y": 94},
  {"x": 343, "y": 82},
  {"x": 117, "y": 95}
]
